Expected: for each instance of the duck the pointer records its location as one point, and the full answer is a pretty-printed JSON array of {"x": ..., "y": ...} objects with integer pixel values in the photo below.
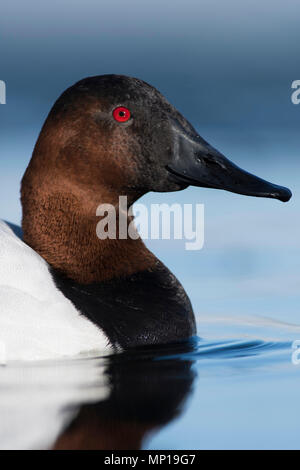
[{"x": 63, "y": 290}]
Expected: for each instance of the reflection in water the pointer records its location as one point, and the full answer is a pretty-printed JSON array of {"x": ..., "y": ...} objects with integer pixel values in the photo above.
[
  {"x": 146, "y": 393},
  {"x": 104, "y": 403},
  {"x": 120, "y": 402}
]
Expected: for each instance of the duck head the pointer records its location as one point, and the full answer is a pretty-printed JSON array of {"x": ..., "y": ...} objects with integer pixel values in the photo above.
[
  {"x": 114, "y": 135},
  {"x": 122, "y": 133}
]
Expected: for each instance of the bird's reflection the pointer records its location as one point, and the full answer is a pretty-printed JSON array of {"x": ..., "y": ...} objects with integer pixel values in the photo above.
[{"x": 147, "y": 390}]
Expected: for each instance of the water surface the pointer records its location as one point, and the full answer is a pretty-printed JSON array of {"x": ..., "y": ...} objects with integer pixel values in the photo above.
[{"x": 235, "y": 387}]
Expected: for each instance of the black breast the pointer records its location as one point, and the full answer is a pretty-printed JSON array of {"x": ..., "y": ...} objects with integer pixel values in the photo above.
[{"x": 147, "y": 308}]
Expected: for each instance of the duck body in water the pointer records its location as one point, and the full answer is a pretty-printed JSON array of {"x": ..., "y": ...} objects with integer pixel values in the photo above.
[{"x": 106, "y": 137}]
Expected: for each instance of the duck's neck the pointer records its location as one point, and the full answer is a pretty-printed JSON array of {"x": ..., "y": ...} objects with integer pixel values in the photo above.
[{"x": 61, "y": 225}]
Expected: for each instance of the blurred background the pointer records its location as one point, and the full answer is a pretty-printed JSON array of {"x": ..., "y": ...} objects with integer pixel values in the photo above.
[{"x": 228, "y": 67}]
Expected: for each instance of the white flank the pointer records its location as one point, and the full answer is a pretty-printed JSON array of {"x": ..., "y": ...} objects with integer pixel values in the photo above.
[{"x": 36, "y": 320}]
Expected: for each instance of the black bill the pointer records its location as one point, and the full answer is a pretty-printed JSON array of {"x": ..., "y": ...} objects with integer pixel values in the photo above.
[{"x": 196, "y": 163}]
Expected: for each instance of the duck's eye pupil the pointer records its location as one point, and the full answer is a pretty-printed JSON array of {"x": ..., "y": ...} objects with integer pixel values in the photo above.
[{"x": 121, "y": 114}]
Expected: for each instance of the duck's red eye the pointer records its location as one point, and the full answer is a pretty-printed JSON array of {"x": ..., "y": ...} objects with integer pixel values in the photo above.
[{"x": 121, "y": 114}]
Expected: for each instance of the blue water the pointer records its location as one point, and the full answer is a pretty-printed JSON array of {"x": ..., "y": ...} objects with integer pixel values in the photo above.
[{"x": 225, "y": 392}]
